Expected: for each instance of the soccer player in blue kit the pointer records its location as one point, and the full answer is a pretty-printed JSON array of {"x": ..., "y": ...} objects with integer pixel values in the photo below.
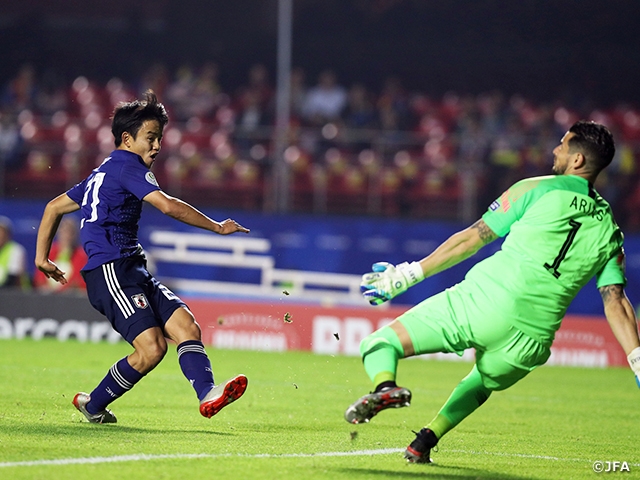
[{"x": 141, "y": 309}]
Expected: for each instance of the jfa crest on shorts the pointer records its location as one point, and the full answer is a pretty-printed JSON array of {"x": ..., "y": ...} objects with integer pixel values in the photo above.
[
  {"x": 130, "y": 297},
  {"x": 140, "y": 300}
]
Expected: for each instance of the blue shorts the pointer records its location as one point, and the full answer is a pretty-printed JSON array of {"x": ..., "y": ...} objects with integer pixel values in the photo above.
[{"x": 130, "y": 297}]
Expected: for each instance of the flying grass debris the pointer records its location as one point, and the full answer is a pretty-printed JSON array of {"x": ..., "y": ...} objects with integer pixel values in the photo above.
[{"x": 287, "y": 318}]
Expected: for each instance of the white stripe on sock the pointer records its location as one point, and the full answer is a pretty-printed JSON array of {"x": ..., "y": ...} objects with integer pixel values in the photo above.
[
  {"x": 120, "y": 380},
  {"x": 191, "y": 348}
]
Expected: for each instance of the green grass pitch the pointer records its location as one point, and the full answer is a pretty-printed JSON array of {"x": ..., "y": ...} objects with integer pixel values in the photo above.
[{"x": 553, "y": 425}]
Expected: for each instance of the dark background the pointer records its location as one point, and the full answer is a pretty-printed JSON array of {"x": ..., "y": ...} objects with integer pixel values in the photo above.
[{"x": 544, "y": 49}]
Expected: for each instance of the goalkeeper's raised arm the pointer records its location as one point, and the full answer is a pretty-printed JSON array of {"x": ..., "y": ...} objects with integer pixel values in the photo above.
[
  {"x": 622, "y": 320},
  {"x": 387, "y": 281},
  {"x": 457, "y": 247}
]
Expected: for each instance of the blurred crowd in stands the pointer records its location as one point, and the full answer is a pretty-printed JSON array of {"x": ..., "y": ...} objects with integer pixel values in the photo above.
[
  {"x": 66, "y": 252},
  {"x": 349, "y": 149}
]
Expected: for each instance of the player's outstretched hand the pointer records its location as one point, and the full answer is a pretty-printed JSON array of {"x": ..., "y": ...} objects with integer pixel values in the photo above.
[
  {"x": 387, "y": 281},
  {"x": 230, "y": 226},
  {"x": 634, "y": 363},
  {"x": 51, "y": 270}
]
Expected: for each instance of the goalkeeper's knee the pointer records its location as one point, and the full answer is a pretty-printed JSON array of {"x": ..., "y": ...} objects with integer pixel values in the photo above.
[{"x": 381, "y": 339}]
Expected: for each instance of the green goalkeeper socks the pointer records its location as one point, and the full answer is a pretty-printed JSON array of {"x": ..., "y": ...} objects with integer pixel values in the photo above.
[
  {"x": 464, "y": 400},
  {"x": 380, "y": 354}
]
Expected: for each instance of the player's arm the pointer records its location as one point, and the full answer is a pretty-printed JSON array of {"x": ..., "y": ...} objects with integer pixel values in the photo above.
[
  {"x": 622, "y": 320},
  {"x": 621, "y": 316},
  {"x": 457, "y": 247},
  {"x": 182, "y": 211},
  {"x": 53, "y": 213},
  {"x": 387, "y": 281}
]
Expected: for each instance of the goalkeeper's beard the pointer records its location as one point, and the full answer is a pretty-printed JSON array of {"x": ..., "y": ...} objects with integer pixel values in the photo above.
[{"x": 557, "y": 168}]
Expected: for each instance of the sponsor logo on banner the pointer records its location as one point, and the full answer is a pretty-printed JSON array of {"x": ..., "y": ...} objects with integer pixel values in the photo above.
[
  {"x": 252, "y": 331},
  {"x": 342, "y": 334},
  {"x": 581, "y": 341},
  {"x": 586, "y": 342},
  {"x": 37, "y": 329}
]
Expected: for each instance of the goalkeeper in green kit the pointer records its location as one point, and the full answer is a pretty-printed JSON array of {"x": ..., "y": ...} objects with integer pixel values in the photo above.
[{"x": 561, "y": 233}]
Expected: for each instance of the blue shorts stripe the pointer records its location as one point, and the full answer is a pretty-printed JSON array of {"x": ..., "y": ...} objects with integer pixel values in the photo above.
[
  {"x": 116, "y": 292},
  {"x": 113, "y": 286}
]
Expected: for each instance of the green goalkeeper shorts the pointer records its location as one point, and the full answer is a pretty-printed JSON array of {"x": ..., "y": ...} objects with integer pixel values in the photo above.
[{"x": 449, "y": 322}]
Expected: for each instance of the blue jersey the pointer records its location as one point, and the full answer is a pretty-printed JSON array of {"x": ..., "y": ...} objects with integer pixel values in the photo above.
[{"x": 110, "y": 200}]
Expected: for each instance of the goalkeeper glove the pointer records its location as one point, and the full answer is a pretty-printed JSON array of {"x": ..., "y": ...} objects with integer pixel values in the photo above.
[
  {"x": 634, "y": 363},
  {"x": 388, "y": 281}
]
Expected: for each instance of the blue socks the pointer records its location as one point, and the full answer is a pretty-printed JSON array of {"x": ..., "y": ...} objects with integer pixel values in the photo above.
[
  {"x": 120, "y": 379},
  {"x": 196, "y": 366}
]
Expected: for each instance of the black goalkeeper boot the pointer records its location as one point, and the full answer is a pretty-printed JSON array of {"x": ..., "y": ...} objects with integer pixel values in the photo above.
[{"x": 420, "y": 448}]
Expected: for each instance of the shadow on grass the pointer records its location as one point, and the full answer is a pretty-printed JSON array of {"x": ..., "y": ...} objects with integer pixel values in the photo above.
[
  {"x": 80, "y": 429},
  {"x": 434, "y": 472}
]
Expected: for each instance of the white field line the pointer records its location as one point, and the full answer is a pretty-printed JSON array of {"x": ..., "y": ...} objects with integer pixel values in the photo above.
[
  {"x": 146, "y": 457},
  {"x": 149, "y": 457}
]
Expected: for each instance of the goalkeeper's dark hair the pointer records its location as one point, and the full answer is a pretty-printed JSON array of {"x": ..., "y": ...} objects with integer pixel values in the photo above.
[
  {"x": 595, "y": 142},
  {"x": 129, "y": 116}
]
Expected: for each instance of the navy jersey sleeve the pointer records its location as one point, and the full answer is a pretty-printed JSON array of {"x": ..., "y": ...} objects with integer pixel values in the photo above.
[
  {"x": 76, "y": 193},
  {"x": 137, "y": 179}
]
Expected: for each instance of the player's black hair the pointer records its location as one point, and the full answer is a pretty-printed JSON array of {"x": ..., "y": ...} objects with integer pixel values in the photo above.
[
  {"x": 129, "y": 116},
  {"x": 594, "y": 141}
]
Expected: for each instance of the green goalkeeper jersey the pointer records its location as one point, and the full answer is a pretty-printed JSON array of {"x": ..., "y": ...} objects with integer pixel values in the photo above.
[{"x": 561, "y": 234}]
